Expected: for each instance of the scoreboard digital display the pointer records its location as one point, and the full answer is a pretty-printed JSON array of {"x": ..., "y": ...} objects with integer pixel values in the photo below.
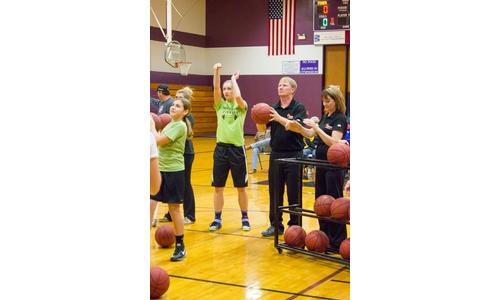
[{"x": 331, "y": 14}]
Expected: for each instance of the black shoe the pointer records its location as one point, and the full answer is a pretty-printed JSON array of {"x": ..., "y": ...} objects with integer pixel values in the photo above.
[
  {"x": 333, "y": 248},
  {"x": 179, "y": 253},
  {"x": 215, "y": 226},
  {"x": 245, "y": 225},
  {"x": 166, "y": 218},
  {"x": 270, "y": 231}
]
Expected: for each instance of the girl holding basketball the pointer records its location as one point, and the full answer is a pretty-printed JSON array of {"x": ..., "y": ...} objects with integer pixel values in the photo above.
[
  {"x": 229, "y": 152},
  {"x": 171, "y": 143},
  {"x": 331, "y": 129},
  {"x": 189, "y": 202}
]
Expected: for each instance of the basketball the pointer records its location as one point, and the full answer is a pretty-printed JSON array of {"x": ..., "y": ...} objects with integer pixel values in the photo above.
[
  {"x": 295, "y": 236},
  {"x": 345, "y": 249},
  {"x": 260, "y": 113},
  {"x": 156, "y": 119},
  {"x": 317, "y": 241},
  {"x": 159, "y": 281},
  {"x": 322, "y": 205},
  {"x": 164, "y": 120},
  {"x": 339, "y": 154},
  {"x": 339, "y": 210},
  {"x": 165, "y": 236}
]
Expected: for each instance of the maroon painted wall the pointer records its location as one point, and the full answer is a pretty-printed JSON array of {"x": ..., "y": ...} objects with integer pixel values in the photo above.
[{"x": 250, "y": 26}]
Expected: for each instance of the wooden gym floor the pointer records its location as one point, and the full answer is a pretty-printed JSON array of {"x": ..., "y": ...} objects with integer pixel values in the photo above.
[{"x": 232, "y": 264}]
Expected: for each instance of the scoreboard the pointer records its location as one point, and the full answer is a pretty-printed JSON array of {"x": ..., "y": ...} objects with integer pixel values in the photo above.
[{"x": 331, "y": 15}]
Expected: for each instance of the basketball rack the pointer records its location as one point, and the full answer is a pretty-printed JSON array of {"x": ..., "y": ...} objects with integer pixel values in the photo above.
[{"x": 296, "y": 209}]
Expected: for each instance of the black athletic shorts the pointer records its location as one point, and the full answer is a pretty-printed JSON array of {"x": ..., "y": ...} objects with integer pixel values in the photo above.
[
  {"x": 172, "y": 188},
  {"x": 230, "y": 157}
]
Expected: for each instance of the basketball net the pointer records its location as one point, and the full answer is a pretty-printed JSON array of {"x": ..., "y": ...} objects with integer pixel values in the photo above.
[{"x": 184, "y": 67}]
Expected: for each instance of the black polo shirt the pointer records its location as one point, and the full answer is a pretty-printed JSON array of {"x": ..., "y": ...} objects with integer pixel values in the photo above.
[
  {"x": 283, "y": 140},
  {"x": 336, "y": 121}
]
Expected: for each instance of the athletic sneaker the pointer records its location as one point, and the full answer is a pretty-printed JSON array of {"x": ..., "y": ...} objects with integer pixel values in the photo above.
[
  {"x": 188, "y": 221},
  {"x": 270, "y": 231},
  {"x": 166, "y": 218},
  {"x": 245, "y": 225},
  {"x": 215, "y": 226},
  {"x": 179, "y": 253}
]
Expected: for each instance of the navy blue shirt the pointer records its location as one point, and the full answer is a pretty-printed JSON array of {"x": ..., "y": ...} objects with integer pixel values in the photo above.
[
  {"x": 162, "y": 107},
  {"x": 189, "y": 148}
]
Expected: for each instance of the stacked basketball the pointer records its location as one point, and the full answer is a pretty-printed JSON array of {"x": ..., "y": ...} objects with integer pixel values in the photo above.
[
  {"x": 337, "y": 209},
  {"x": 339, "y": 154},
  {"x": 317, "y": 241},
  {"x": 345, "y": 249},
  {"x": 327, "y": 206},
  {"x": 295, "y": 236}
]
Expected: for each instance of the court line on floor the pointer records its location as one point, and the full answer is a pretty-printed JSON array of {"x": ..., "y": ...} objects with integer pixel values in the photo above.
[
  {"x": 211, "y": 210},
  {"x": 318, "y": 282},
  {"x": 341, "y": 281},
  {"x": 250, "y": 287},
  {"x": 229, "y": 233}
]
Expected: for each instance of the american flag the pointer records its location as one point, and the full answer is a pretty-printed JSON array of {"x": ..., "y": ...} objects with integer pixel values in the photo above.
[{"x": 281, "y": 27}]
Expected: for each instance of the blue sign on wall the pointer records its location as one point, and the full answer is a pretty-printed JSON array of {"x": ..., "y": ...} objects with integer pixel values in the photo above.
[{"x": 308, "y": 67}]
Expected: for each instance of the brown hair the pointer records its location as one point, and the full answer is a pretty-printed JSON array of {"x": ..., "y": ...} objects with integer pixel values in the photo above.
[
  {"x": 187, "y": 106},
  {"x": 334, "y": 92}
]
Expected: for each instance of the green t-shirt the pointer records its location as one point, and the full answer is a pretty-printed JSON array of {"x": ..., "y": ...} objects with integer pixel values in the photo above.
[
  {"x": 171, "y": 155},
  {"x": 230, "y": 121}
]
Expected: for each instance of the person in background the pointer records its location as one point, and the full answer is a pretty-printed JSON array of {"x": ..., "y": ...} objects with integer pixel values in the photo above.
[
  {"x": 162, "y": 104},
  {"x": 310, "y": 143},
  {"x": 262, "y": 142}
]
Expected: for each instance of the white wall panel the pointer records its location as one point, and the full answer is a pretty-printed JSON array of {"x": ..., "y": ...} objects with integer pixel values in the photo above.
[
  {"x": 248, "y": 60},
  {"x": 255, "y": 61}
]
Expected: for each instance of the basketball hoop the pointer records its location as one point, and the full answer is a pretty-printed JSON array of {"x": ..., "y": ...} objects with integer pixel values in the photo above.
[
  {"x": 174, "y": 53},
  {"x": 184, "y": 67}
]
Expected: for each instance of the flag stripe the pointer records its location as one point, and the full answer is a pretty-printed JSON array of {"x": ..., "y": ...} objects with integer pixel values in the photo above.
[{"x": 281, "y": 27}]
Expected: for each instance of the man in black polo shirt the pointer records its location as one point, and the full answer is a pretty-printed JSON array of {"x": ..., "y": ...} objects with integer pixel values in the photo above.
[
  {"x": 285, "y": 144},
  {"x": 164, "y": 101}
]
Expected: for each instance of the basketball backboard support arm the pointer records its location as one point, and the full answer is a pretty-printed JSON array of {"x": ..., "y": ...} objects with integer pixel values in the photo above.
[
  {"x": 175, "y": 54},
  {"x": 159, "y": 25},
  {"x": 168, "y": 34},
  {"x": 169, "y": 21}
]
